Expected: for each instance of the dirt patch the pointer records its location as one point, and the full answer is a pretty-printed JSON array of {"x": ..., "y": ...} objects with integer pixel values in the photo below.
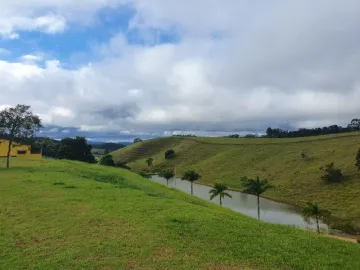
[{"x": 164, "y": 252}]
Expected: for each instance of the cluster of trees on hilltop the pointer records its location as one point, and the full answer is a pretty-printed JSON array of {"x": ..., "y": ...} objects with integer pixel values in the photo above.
[{"x": 304, "y": 132}]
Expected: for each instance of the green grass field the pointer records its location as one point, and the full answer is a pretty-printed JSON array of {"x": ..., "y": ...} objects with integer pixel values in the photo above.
[
  {"x": 71, "y": 215},
  {"x": 295, "y": 180}
]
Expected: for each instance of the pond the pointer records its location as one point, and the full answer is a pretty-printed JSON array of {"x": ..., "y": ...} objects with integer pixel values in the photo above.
[{"x": 270, "y": 211}]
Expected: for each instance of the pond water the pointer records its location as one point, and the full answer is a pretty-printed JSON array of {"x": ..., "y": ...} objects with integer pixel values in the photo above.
[{"x": 270, "y": 211}]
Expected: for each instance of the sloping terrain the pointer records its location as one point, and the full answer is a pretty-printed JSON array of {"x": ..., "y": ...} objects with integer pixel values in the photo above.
[
  {"x": 296, "y": 180},
  {"x": 71, "y": 215}
]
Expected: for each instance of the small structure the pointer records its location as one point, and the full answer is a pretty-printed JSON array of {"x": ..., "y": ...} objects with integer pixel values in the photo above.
[{"x": 18, "y": 150}]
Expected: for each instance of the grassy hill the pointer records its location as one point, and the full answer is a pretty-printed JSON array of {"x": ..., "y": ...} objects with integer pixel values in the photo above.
[
  {"x": 71, "y": 215},
  {"x": 296, "y": 180}
]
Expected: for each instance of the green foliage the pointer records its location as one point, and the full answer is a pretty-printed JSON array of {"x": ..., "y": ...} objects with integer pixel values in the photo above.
[
  {"x": 122, "y": 164},
  {"x": 312, "y": 210},
  {"x": 137, "y": 140},
  {"x": 169, "y": 154},
  {"x": 357, "y": 164},
  {"x": 191, "y": 176},
  {"x": 145, "y": 173},
  {"x": 304, "y": 155},
  {"x": 344, "y": 225},
  {"x": 219, "y": 190},
  {"x": 331, "y": 174},
  {"x": 17, "y": 124},
  {"x": 255, "y": 186},
  {"x": 167, "y": 174},
  {"x": 75, "y": 149},
  {"x": 107, "y": 161},
  {"x": 149, "y": 161}
]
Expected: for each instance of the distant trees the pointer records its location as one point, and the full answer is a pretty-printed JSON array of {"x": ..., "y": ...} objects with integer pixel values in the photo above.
[
  {"x": 256, "y": 187},
  {"x": 75, "y": 149},
  {"x": 149, "y": 161},
  {"x": 330, "y": 173},
  {"x": 219, "y": 190},
  {"x": 355, "y": 124},
  {"x": 169, "y": 154},
  {"x": 107, "y": 160},
  {"x": 136, "y": 140},
  {"x": 235, "y": 136},
  {"x": 167, "y": 174},
  {"x": 16, "y": 124},
  {"x": 357, "y": 164},
  {"x": 312, "y": 210},
  {"x": 191, "y": 176}
]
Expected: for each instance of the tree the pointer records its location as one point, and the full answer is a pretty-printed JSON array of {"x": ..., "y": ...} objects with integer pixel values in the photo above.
[
  {"x": 76, "y": 149},
  {"x": 149, "y": 161},
  {"x": 167, "y": 174},
  {"x": 330, "y": 173},
  {"x": 312, "y": 210},
  {"x": 136, "y": 140},
  {"x": 169, "y": 154},
  {"x": 107, "y": 161},
  {"x": 191, "y": 176},
  {"x": 357, "y": 164},
  {"x": 219, "y": 190},
  {"x": 255, "y": 187},
  {"x": 16, "y": 124}
]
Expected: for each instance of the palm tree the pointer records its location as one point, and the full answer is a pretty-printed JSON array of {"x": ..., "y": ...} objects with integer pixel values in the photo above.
[
  {"x": 312, "y": 210},
  {"x": 167, "y": 174},
  {"x": 191, "y": 176},
  {"x": 256, "y": 187},
  {"x": 149, "y": 161},
  {"x": 219, "y": 190}
]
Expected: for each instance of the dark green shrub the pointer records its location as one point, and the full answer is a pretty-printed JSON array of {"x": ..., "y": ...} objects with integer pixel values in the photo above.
[
  {"x": 122, "y": 164},
  {"x": 145, "y": 174},
  {"x": 345, "y": 225},
  {"x": 169, "y": 154},
  {"x": 107, "y": 161},
  {"x": 331, "y": 174}
]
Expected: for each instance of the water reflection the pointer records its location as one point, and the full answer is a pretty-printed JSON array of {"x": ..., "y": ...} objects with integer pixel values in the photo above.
[{"x": 270, "y": 211}]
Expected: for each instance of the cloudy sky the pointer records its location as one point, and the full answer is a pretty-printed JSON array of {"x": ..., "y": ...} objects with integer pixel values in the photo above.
[{"x": 118, "y": 69}]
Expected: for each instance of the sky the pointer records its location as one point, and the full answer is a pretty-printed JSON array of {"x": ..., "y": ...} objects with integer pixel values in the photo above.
[{"x": 119, "y": 69}]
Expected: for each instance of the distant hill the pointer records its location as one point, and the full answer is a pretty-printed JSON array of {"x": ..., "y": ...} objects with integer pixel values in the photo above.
[{"x": 296, "y": 180}]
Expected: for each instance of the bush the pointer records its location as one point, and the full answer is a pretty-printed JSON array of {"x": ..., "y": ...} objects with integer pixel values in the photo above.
[
  {"x": 357, "y": 164},
  {"x": 304, "y": 155},
  {"x": 331, "y": 174},
  {"x": 107, "y": 161},
  {"x": 358, "y": 240},
  {"x": 169, "y": 154},
  {"x": 122, "y": 164},
  {"x": 145, "y": 173},
  {"x": 345, "y": 225},
  {"x": 136, "y": 140}
]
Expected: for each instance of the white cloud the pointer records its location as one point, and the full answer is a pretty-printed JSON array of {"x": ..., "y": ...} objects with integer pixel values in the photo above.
[{"x": 241, "y": 66}]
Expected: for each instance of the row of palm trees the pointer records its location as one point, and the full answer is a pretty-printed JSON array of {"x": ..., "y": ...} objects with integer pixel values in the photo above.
[{"x": 255, "y": 186}]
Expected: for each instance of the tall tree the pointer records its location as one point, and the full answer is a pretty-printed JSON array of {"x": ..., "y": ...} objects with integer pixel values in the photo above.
[
  {"x": 167, "y": 174},
  {"x": 149, "y": 161},
  {"x": 312, "y": 210},
  {"x": 191, "y": 176},
  {"x": 219, "y": 190},
  {"x": 76, "y": 149},
  {"x": 16, "y": 124},
  {"x": 255, "y": 187}
]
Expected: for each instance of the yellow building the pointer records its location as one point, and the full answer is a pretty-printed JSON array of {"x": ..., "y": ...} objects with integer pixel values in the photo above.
[{"x": 17, "y": 150}]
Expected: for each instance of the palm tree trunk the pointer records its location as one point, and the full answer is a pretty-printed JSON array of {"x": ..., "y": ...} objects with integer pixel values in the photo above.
[
  {"x": 191, "y": 188},
  {"x": 220, "y": 201},
  {"x": 258, "y": 206},
  {"x": 317, "y": 224}
]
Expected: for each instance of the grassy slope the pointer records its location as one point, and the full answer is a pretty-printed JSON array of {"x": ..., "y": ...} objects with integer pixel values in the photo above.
[
  {"x": 295, "y": 180},
  {"x": 131, "y": 223}
]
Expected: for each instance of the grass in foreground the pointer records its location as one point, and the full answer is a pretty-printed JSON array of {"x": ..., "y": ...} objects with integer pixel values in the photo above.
[
  {"x": 70, "y": 215},
  {"x": 296, "y": 180}
]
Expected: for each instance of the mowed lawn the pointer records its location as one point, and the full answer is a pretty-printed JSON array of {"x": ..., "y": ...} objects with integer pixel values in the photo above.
[
  {"x": 296, "y": 180},
  {"x": 70, "y": 215}
]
